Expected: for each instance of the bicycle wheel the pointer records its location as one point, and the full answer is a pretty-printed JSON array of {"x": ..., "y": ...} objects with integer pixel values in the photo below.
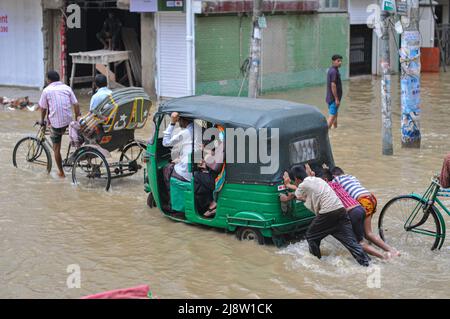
[
  {"x": 91, "y": 170},
  {"x": 31, "y": 154},
  {"x": 406, "y": 221},
  {"x": 131, "y": 158}
]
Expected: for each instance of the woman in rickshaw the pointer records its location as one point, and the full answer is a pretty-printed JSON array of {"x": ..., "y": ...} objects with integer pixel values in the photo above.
[{"x": 211, "y": 176}]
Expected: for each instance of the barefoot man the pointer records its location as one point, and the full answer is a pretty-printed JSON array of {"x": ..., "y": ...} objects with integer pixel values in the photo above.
[
  {"x": 56, "y": 103},
  {"x": 334, "y": 90}
]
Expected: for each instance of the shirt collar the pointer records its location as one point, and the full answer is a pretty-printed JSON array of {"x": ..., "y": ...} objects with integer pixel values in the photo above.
[
  {"x": 105, "y": 88},
  {"x": 55, "y": 83}
]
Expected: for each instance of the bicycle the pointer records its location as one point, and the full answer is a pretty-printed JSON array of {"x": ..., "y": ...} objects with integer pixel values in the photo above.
[
  {"x": 34, "y": 147},
  {"x": 415, "y": 219}
]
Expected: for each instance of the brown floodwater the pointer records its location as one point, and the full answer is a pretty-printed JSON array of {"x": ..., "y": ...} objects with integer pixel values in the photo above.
[{"x": 47, "y": 224}]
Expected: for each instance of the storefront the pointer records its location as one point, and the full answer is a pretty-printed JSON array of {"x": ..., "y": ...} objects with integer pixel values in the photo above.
[{"x": 22, "y": 44}]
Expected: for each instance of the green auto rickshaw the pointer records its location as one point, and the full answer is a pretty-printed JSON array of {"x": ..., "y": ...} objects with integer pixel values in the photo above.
[{"x": 248, "y": 201}]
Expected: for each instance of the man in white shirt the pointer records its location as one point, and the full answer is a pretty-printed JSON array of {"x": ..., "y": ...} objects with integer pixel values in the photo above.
[
  {"x": 331, "y": 216},
  {"x": 182, "y": 139}
]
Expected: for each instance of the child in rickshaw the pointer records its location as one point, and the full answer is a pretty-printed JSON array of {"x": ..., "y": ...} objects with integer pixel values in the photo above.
[
  {"x": 331, "y": 216},
  {"x": 367, "y": 200}
]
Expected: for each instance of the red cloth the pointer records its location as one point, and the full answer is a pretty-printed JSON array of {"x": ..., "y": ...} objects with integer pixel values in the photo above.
[
  {"x": 345, "y": 198},
  {"x": 139, "y": 292},
  {"x": 444, "y": 179}
]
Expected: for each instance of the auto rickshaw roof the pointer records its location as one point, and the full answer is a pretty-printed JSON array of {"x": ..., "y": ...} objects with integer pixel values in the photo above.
[{"x": 243, "y": 111}]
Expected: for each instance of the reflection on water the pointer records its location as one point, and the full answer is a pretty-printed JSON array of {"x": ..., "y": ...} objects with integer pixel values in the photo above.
[{"x": 47, "y": 224}]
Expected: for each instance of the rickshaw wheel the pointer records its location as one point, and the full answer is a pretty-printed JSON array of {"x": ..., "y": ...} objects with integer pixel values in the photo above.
[
  {"x": 250, "y": 234},
  {"x": 132, "y": 153},
  {"x": 91, "y": 170},
  {"x": 151, "y": 201}
]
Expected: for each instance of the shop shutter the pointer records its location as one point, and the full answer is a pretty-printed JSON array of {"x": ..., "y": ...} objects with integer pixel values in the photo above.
[{"x": 172, "y": 55}]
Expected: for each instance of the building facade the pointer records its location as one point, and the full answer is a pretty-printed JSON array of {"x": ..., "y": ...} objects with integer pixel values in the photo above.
[
  {"x": 297, "y": 46},
  {"x": 22, "y": 43},
  {"x": 296, "y": 50}
]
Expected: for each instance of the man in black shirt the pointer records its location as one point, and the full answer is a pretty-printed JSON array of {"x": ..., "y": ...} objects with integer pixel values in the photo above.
[{"x": 334, "y": 90}]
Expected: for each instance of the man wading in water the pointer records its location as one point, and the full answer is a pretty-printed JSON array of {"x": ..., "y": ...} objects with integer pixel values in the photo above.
[
  {"x": 334, "y": 90},
  {"x": 56, "y": 104}
]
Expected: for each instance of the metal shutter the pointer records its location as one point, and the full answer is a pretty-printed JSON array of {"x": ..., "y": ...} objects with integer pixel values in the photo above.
[{"x": 172, "y": 55}]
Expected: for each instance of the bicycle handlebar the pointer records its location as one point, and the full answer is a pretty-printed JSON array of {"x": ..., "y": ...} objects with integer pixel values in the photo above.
[{"x": 40, "y": 123}]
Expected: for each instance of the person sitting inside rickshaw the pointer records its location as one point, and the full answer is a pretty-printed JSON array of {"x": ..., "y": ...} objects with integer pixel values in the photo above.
[
  {"x": 102, "y": 91},
  {"x": 209, "y": 179},
  {"x": 183, "y": 139}
]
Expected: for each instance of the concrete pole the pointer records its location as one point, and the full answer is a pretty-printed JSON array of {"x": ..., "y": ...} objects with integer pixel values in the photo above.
[
  {"x": 148, "y": 53},
  {"x": 255, "y": 63},
  {"x": 386, "y": 108},
  {"x": 190, "y": 48},
  {"x": 410, "y": 79}
]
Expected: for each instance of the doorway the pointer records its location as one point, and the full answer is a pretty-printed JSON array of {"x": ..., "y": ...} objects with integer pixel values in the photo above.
[{"x": 360, "y": 50}]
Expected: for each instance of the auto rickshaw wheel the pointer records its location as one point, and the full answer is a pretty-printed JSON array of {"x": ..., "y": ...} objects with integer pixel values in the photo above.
[
  {"x": 250, "y": 234},
  {"x": 151, "y": 201}
]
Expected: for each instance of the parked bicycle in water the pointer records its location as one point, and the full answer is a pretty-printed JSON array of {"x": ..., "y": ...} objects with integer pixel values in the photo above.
[{"x": 414, "y": 219}]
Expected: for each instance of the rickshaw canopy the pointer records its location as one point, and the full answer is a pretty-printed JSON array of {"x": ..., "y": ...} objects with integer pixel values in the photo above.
[
  {"x": 245, "y": 112},
  {"x": 124, "y": 109}
]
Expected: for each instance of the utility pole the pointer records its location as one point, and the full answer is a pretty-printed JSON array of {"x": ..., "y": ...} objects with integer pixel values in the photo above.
[
  {"x": 410, "y": 79},
  {"x": 255, "y": 63},
  {"x": 386, "y": 108}
]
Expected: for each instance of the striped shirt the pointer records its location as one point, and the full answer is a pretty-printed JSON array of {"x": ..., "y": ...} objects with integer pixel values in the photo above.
[
  {"x": 346, "y": 199},
  {"x": 58, "y": 99},
  {"x": 351, "y": 185}
]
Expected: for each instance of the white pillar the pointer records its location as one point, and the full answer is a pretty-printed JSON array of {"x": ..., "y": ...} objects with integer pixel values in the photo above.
[{"x": 190, "y": 46}]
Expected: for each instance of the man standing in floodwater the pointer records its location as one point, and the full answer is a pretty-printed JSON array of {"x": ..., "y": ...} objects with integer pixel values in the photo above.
[{"x": 334, "y": 90}]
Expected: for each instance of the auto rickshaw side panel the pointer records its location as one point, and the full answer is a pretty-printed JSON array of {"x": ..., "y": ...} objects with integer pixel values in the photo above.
[{"x": 259, "y": 206}]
